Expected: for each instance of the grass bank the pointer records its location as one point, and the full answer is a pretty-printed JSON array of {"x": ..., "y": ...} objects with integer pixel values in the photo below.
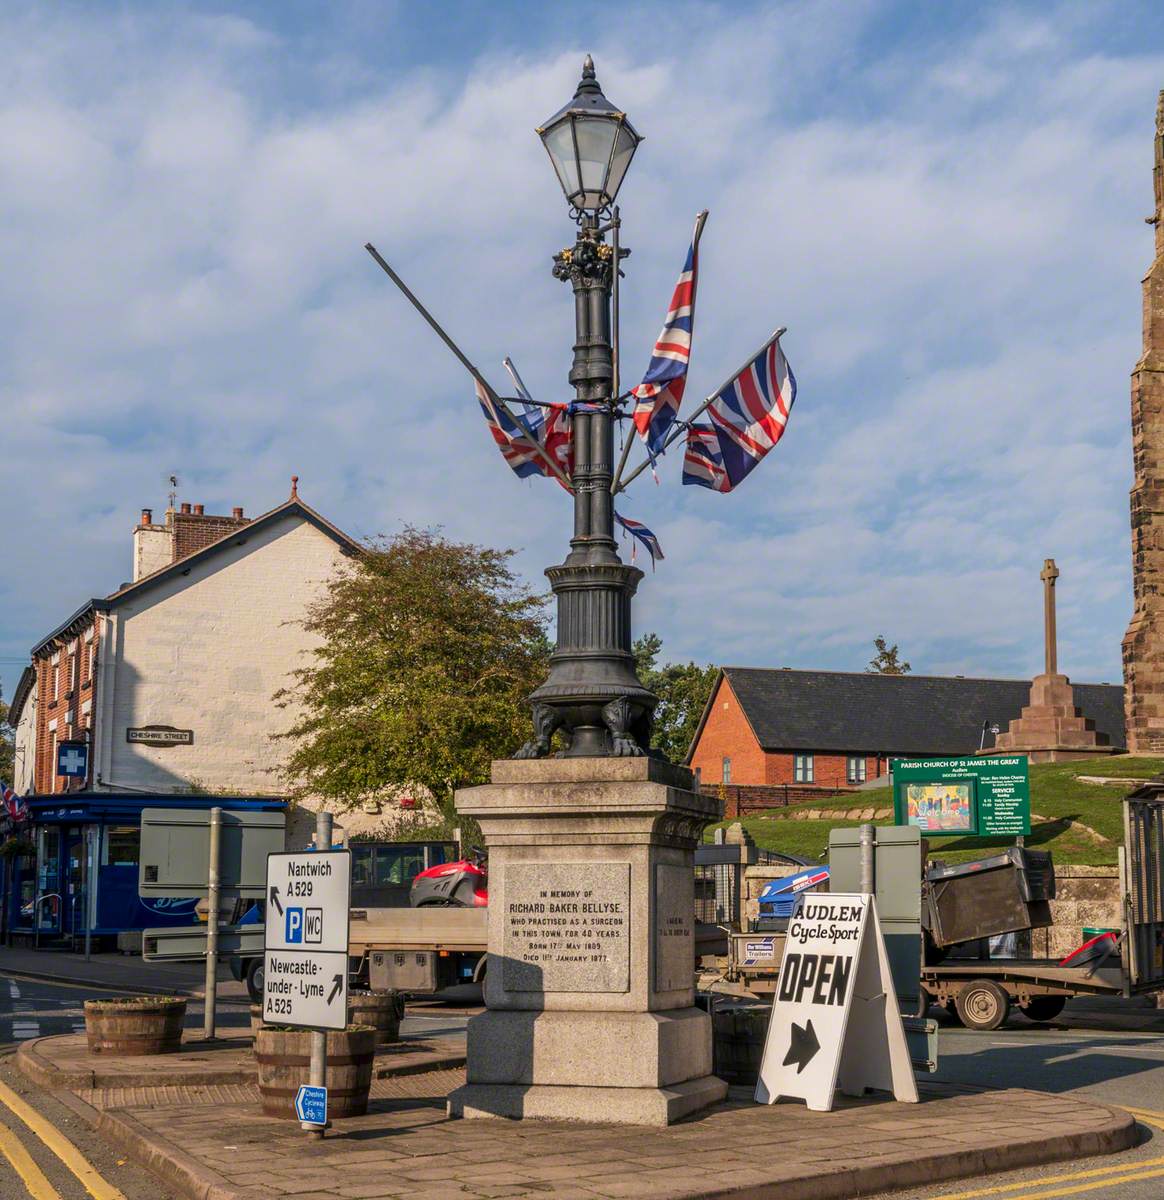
[{"x": 1064, "y": 806}]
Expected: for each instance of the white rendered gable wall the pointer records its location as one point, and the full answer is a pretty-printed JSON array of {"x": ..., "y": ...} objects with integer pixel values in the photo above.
[{"x": 207, "y": 652}]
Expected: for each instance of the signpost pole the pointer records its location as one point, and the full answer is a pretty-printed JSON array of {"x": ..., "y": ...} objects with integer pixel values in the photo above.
[
  {"x": 868, "y": 878},
  {"x": 212, "y": 924},
  {"x": 90, "y": 875},
  {"x": 319, "y": 1036}
]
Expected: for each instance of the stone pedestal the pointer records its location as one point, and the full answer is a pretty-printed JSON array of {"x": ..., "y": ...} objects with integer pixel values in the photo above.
[
  {"x": 590, "y": 981},
  {"x": 1052, "y": 728}
]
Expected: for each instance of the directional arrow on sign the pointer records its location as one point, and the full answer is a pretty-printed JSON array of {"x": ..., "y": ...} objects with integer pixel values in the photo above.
[
  {"x": 337, "y": 983},
  {"x": 275, "y": 900},
  {"x": 803, "y": 1046}
]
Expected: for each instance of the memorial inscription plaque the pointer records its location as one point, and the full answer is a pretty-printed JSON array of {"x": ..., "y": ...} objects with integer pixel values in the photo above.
[
  {"x": 674, "y": 934},
  {"x": 566, "y": 927}
]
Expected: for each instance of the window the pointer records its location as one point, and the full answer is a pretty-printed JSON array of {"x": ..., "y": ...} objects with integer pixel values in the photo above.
[
  {"x": 802, "y": 768},
  {"x": 727, "y": 770},
  {"x": 123, "y": 845},
  {"x": 361, "y": 866},
  {"x": 855, "y": 768},
  {"x": 397, "y": 865}
]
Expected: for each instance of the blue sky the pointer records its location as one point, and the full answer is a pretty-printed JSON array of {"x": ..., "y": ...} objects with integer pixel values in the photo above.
[{"x": 943, "y": 203}]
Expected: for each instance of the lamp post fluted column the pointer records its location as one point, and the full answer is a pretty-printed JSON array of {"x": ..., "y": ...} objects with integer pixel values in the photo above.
[{"x": 592, "y": 694}]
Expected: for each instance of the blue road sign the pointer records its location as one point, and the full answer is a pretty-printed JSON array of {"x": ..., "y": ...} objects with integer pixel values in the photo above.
[
  {"x": 294, "y": 925},
  {"x": 73, "y": 759},
  {"x": 311, "y": 1104}
]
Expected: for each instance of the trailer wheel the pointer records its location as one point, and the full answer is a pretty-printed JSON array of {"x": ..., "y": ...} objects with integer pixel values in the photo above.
[
  {"x": 1043, "y": 1008},
  {"x": 982, "y": 1005}
]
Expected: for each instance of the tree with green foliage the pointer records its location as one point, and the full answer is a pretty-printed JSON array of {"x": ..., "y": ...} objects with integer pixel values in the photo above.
[
  {"x": 886, "y": 661},
  {"x": 682, "y": 688},
  {"x": 428, "y": 650}
]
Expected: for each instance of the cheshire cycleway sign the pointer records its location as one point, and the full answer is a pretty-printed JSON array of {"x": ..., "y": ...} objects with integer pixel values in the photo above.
[{"x": 305, "y": 976}]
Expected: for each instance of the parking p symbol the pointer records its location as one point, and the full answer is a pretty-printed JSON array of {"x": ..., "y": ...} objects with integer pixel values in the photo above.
[{"x": 294, "y": 924}]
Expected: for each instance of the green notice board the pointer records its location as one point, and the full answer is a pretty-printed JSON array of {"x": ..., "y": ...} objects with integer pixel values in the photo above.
[{"x": 963, "y": 797}]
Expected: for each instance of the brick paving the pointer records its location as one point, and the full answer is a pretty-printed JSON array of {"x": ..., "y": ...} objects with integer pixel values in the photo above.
[
  {"x": 213, "y": 1141},
  {"x": 65, "y": 1062}
]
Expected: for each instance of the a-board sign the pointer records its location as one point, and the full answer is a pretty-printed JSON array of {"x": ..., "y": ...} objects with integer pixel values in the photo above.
[
  {"x": 311, "y": 1104},
  {"x": 963, "y": 797},
  {"x": 835, "y": 1020},
  {"x": 305, "y": 967}
]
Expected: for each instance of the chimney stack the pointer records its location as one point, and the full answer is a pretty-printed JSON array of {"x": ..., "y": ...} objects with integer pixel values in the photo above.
[
  {"x": 186, "y": 507},
  {"x": 199, "y": 510},
  {"x": 236, "y": 513},
  {"x": 147, "y": 516}
]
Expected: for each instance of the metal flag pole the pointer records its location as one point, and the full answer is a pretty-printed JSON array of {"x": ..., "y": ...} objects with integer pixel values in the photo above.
[
  {"x": 680, "y": 428},
  {"x": 464, "y": 361},
  {"x": 700, "y": 221}
]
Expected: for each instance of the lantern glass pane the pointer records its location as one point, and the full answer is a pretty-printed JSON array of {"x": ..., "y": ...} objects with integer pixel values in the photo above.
[
  {"x": 624, "y": 149},
  {"x": 595, "y": 138},
  {"x": 559, "y": 141}
]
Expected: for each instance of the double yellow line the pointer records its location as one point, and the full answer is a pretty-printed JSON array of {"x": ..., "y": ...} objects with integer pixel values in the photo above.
[
  {"x": 34, "y": 1179},
  {"x": 1080, "y": 1181}
]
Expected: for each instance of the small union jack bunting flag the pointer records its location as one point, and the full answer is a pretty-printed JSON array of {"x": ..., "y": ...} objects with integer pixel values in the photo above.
[
  {"x": 519, "y": 438},
  {"x": 747, "y": 418},
  {"x": 658, "y": 397},
  {"x": 640, "y": 533}
]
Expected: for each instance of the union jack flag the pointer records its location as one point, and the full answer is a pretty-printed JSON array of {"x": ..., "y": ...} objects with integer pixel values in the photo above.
[
  {"x": 519, "y": 438},
  {"x": 661, "y": 392},
  {"x": 13, "y": 804},
  {"x": 748, "y": 417},
  {"x": 702, "y": 461},
  {"x": 640, "y": 533}
]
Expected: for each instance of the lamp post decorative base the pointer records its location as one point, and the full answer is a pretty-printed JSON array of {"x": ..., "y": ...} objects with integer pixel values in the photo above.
[{"x": 592, "y": 693}]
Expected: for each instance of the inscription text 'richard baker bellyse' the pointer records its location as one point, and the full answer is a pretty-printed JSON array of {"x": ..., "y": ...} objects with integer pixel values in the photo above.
[{"x": 566, "y": 927}]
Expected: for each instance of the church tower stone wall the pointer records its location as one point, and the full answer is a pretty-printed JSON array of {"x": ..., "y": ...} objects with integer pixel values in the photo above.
[{"x": 1143, "y": 646}]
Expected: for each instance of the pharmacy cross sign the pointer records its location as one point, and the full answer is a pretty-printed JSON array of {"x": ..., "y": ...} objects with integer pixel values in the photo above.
[{"x": 73, "y": 759}]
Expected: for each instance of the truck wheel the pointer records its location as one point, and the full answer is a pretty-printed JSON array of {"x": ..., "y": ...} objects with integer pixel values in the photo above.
[
  {"x": 982, "y": 1005},
  {"x": 1043, "y": 1008},
  {"x": 255, "y": 981}
]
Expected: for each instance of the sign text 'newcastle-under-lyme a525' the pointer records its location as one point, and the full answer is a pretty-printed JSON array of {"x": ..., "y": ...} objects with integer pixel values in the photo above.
[{"x": 305, "y": 976}]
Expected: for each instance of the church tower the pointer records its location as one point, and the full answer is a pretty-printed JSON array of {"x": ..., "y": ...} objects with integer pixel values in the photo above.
[{"x": 1143, "y": 647}]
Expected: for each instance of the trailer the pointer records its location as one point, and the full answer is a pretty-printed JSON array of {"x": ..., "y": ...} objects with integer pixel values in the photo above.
[
  {"x": 418, "y": 951},
  {"x": 981, "y": 992}
]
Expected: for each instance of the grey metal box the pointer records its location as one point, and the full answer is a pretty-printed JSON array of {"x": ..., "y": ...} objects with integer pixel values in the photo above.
[
  {"x": 175, "y": 851},
  {"x": 405, "y": 970}
]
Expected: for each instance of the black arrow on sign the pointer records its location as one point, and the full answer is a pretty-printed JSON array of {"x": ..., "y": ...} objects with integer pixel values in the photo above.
[
  {"x": 275, "y": 900},
  {"x": 338, "y": 980},
  {"x": 803, "y": 1047}
]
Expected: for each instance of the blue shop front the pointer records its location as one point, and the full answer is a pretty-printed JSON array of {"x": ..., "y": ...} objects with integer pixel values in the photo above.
[{"x": 84, "y": 872}]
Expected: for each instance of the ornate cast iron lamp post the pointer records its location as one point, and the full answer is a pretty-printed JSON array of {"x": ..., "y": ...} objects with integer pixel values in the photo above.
[{"x": 592, "y": 693}]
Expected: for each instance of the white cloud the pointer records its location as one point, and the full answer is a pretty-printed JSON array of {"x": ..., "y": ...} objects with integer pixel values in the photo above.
[{"x": 951, "y": 230}]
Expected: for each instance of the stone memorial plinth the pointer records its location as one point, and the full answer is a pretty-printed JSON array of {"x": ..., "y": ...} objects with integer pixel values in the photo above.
[{"x": 590, "y": 981}]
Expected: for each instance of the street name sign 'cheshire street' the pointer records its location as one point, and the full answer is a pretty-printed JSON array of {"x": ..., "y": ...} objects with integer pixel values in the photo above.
[
  {"x": 305, "y": 972},
  {"x": 835, "y": 1020}
]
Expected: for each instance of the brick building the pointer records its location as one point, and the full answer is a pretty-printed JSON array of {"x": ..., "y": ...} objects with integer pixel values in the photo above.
[
  {"x": 830, "y": 729},
  {"x": 170, "y": 678}
]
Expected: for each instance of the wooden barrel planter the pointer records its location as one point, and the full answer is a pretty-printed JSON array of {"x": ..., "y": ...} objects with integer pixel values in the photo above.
[
  {"x": 382, "y": 1010},
  {"x": 739, "y": 1043},
  {"x": 256, "y": 1018},
  {"x": 135, "y": 1025},
  {"x": 284, "y": 1058}
]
